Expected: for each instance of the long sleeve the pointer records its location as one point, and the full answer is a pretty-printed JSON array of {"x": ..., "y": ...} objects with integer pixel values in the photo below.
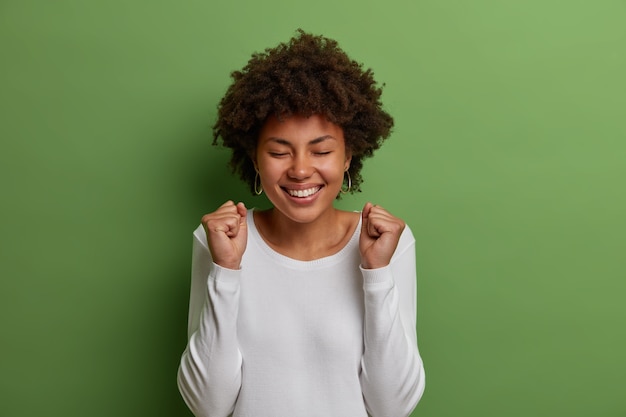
[
  {"x": 392, "y": 375},
  {"x": 209, "y": 376}
]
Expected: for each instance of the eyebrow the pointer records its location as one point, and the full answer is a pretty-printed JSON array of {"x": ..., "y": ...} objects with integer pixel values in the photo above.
[{"x": 315, "y": 141}]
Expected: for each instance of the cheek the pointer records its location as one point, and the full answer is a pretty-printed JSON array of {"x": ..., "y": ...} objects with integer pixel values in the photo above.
[
  {"x": 268, "y": 166},
  {"x": 334, "y": 170},
  {"x": 272, "y": 172}
]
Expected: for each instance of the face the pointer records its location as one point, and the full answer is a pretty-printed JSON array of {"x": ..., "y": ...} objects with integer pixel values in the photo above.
[{"x": 301, "y": 163}]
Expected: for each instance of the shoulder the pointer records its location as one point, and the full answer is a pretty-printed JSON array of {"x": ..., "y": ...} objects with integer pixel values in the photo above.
[
  {"x": 406, "y": 242},
  {"x": 199, "y": 236},
  {"x": 407, "y": 235}
]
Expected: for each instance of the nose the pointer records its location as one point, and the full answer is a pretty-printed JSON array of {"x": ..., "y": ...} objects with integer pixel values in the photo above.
[{"x": 301, "y": 168}]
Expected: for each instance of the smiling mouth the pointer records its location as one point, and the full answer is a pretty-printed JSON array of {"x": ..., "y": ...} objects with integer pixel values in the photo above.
[{"x": 303, "y": 193}]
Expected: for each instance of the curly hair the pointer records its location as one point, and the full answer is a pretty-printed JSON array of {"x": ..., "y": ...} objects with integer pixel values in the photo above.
[{"x": 307, "y": 75}]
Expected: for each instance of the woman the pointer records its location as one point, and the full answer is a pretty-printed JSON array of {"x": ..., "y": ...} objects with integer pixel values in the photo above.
[{"x": 302, "y": 309}]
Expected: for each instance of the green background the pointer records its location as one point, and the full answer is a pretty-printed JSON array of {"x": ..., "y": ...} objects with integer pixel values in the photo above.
[{"x": 508, "y": 161}]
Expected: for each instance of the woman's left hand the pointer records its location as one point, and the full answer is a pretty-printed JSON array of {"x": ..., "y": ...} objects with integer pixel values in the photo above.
[{"x": 380, "y": 233}]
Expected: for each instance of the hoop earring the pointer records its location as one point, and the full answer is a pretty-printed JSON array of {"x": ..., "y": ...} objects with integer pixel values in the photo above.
[
  {"x": 257, "y": 190},
  {"x": 349, "y": 184}
]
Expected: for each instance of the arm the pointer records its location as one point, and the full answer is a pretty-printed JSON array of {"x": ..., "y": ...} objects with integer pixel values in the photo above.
[
  {"x": 209, "y": 376},
  {"x": 392, "y": 373},
  {"x": 392, "y": 376}
]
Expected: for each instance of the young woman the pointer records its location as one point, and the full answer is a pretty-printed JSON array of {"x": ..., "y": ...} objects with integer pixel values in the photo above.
[{"x": 303, "y": 309}]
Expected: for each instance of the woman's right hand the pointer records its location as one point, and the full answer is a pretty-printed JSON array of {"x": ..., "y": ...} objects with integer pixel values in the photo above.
[{"x": 227, "y": 234}]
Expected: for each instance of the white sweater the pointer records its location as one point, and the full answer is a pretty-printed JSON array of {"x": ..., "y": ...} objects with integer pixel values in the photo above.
[{"x": 287, "y": 338}]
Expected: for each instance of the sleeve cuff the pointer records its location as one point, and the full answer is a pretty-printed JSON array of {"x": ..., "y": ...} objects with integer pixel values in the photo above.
[
  {"x": 226, "y": 275},
  {"x": 377, "y": 276}
]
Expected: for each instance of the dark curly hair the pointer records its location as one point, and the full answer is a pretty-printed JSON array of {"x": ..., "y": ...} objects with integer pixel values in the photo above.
[{"x": 308, "y": 75}]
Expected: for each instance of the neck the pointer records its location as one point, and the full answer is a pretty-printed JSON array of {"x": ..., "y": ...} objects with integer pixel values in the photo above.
[{"x": 306, "y": 241}]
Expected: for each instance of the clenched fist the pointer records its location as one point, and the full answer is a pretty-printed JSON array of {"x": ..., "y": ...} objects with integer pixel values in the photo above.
[
  {"x": 227, "y": 234},
  {"x": 380, "y": 234}
]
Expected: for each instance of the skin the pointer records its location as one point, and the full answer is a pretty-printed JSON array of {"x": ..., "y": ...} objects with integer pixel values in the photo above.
[{"x": 306, "y": 155}]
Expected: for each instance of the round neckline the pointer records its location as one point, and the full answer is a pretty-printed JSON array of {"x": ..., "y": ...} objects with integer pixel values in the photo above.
[{"x": 297, "y": 263}]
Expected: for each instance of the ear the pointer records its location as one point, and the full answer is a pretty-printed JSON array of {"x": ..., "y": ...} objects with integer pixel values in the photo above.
[
  {"x": 346, "y": 164},
  {"x": 253, "y": 160}
]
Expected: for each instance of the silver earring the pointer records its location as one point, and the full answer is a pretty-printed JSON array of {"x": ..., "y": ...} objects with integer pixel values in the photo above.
[
  {"x": 349, "y": 184},
  {"x": 257, "y": 190}
]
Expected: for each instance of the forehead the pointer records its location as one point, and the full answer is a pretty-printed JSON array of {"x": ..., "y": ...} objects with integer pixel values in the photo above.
[{"x": 297, "y": 128}]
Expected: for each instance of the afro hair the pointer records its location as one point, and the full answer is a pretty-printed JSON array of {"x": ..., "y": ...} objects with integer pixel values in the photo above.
[{"x": 305, "y": 76}]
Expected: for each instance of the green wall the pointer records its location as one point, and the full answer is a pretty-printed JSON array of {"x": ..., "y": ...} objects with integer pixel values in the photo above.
[{"x": 508, "y": 160}]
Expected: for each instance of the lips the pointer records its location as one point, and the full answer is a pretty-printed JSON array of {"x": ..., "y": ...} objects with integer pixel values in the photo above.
[{"x": 303, "y": 193}]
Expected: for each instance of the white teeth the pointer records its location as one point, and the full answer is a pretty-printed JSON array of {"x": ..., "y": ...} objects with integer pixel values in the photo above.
[{"x": 303, "y": 193}]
